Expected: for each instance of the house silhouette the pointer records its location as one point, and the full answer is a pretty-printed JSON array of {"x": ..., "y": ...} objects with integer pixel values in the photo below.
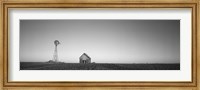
[{"x": 84, "y": 58}]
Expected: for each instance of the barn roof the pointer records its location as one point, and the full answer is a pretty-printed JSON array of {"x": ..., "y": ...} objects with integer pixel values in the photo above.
[{"x": 84, "y": 54}]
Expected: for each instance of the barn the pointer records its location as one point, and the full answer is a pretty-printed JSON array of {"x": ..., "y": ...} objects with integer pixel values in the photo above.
[{"x": 84, "y": 58}]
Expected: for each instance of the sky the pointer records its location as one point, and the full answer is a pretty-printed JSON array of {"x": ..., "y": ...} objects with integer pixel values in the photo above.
[{"x": 105, "y": 41}]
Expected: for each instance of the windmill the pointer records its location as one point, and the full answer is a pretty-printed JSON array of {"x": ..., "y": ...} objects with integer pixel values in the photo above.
[{"x": 55, "y": 55}]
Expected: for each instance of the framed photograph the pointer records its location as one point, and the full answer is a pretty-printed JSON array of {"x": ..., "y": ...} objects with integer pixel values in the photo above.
[{"x": 104, "y": 44}]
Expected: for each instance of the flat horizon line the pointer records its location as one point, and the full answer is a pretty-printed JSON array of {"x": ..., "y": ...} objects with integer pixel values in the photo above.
[{"x": 105, "y": 63}]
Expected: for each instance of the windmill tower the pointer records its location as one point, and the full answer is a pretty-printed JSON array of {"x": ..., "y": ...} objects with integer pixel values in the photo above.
[{"x": 55, "y": 55}]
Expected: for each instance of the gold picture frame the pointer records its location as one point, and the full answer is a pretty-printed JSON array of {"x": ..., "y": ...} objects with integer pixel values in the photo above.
[{"x": 7, "y": 4}]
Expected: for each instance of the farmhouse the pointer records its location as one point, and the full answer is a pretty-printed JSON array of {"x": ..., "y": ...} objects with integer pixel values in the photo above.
[{"x": 84, "y": 58}]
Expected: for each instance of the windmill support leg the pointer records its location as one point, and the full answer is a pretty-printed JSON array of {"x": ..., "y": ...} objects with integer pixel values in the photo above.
[{"x": 55, "y": 55}]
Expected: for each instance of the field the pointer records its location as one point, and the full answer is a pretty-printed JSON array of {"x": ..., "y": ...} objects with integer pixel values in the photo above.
[{"x": 95, "y": 66}]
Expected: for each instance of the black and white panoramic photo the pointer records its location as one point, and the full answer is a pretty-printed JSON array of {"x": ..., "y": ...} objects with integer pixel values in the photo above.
[{"x": 99, "y": 44}]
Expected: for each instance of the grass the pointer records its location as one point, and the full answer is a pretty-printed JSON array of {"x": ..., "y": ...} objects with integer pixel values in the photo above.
[{"x": 95, "y": 66}]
